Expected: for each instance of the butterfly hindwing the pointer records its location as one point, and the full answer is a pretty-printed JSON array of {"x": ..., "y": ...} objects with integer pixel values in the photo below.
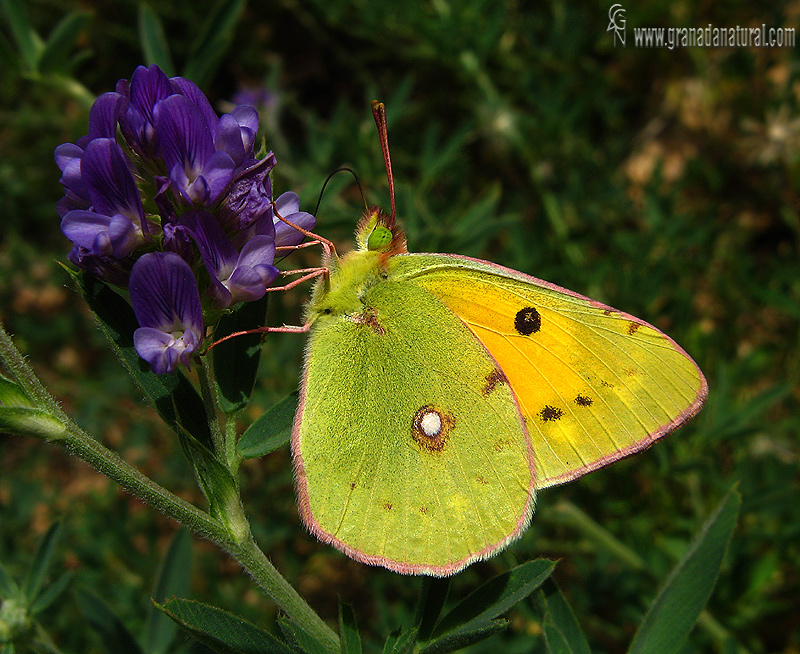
[
  {"x": 410, "y": 450},
  {"x": 593, "y": 384}
]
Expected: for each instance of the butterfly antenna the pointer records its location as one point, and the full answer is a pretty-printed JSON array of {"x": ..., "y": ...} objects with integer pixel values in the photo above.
[
  {"x": 379, "y": 113},
  {"x": 330, "y": 177}
]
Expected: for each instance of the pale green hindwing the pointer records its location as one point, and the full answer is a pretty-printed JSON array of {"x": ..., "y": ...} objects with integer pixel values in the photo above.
[{"x": 410, "y": 451}]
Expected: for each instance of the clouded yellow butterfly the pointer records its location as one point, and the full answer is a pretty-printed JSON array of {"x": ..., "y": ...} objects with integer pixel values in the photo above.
[{"x": 440, "y": 392}]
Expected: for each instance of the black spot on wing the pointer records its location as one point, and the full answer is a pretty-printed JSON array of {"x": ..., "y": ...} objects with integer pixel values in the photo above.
[
  {"x": 583, "y": 400},
  {"x": 527, "y": 321},
  {"x": 550, "y": 413}
]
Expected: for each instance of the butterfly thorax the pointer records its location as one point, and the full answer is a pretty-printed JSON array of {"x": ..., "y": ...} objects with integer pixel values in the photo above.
[{"x": 342, "y": 293}]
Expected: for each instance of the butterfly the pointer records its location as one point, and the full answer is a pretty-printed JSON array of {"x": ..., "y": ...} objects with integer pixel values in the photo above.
[{"x": 440, "y": 392}]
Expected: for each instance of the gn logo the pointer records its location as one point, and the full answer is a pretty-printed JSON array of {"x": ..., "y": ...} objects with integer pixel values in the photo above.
[{"x": 616, "y": 18}]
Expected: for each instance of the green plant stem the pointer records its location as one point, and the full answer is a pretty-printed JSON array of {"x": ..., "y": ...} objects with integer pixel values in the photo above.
[
  {"x": 211, "y": 401},
  {"x": 572, "y": 514},
  {"x": 246, "y": 552},
  {"x": 243, "y": 549},
  {"x": 232, "y": 456}
]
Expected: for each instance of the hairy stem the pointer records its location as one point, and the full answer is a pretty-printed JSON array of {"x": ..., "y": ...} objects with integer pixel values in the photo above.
[
  {"x": 209, "y": 393},
  {"x": 107, "y": 462}
]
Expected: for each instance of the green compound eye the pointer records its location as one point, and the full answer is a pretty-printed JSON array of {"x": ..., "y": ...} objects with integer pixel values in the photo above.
[{"x": 379, "y": 239}]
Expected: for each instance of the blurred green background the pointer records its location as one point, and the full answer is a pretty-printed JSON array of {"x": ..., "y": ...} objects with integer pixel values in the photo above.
[{"x": 664, "y": 183}]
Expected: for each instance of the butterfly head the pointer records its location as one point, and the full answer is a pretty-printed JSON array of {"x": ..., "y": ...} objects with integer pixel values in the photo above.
[{"x": 376, "y": 232}]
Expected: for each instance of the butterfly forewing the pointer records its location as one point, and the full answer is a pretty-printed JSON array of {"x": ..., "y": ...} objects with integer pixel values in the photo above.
[
  {"x": 409, "y": 445},
  {"x": 593, "y": 384}
]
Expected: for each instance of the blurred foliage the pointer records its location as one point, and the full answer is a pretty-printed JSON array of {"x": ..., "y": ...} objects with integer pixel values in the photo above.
[{"x": 664, "y": 183}]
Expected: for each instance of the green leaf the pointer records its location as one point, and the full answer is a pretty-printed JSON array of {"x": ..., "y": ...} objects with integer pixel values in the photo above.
[
  {"x": 495, "y": 597},
  {"x": 391, "y": 640},
  {"x": 299, "y": 637},
  {"x": 349, "y": 637},
  {"x": 431, "y": 601},
  {"x": 271, "y": 431},
  {"x": 115, "y": 636},
  {"x": 555, "y": 641},
  {"x": 153, "y": 40},
  {"x": 11, "y": 394},
  {"x": 217, "y": 481},
  {"x": 61, "y": 41},
  {"x": 236, "y": 360},
  {"x": 31, "y": 422},
  {"x": 464, "y": 637},
  {"x": 406, "y": 641},
  {"x": 173, "y": 580},
  {"x": 213, "y": 41},
  {"x": 28, "y": 41},
  {"x": 172, "y": 395},
  {"x": 52, "y": 592},
  {"x": 8, "y": 587},
  {"x": 221, "y": 630},
  {"x": 41, "y": 563},
  {"x": 684, "y": 594},
  {"x": 559, "y": 617}
]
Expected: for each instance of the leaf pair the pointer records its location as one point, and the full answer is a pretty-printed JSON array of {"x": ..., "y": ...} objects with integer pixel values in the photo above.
[
  {"x": 678, "y": 605},
  {"x": 45, "y": 56},
  {"x": 477, "y": 616},
  {"x": 214, "y": 37},
  {"x": 20, "y": 413},
  {"x": 32, "y": 592},
  {"x": 160, "y": 631}
]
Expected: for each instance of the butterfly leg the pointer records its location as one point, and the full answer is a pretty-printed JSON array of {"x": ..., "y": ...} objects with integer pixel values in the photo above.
[
  {"x": 299, "y": 246},
  {"x": 327, "y": 246},
  {"x": 311, "y": 273},
  {"x": 285, "y": 329}
]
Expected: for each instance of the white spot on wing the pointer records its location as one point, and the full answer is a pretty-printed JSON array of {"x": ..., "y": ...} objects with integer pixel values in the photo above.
[{"x": 431, "y": 424}]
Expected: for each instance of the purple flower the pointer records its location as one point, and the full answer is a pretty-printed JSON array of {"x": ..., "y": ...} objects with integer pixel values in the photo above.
[
  {"x": 235, "y": 276},
  {"x": 116, "y": 271},
  {"x": 288, "y": 206},
  {"x": 167, "y": 305},
  {"x": 249, "y": 196},
  {"x": 115, "y": 224},
  {"x": 198, "y": 172},
  {"x": 236, "y": 133},
  {"x": 255, "y": 96},
  {"x": 103, "y": 117},
  {"x": 157, "y": 142},
  {"x": 147, "y": 87},
  {"x": 68, "y": 158}
]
